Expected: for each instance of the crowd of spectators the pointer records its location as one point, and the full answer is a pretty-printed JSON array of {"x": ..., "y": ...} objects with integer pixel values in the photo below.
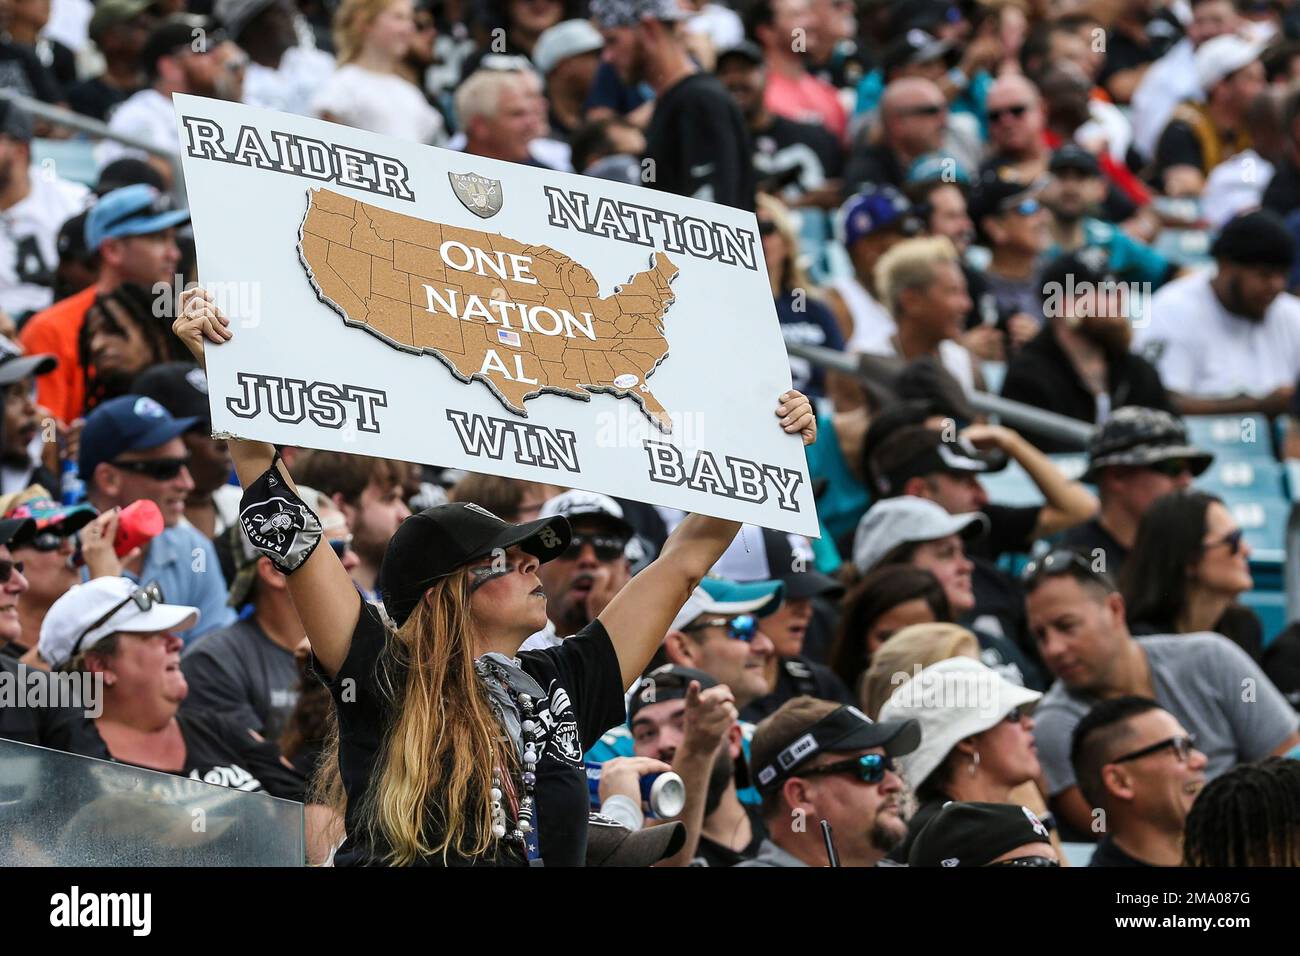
[{"x": 1089, "y": 206}]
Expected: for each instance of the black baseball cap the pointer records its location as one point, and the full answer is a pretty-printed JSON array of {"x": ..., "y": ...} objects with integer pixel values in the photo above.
[
  {"x": 435, "y": 542},
  {"x": 15, "y": 122},
  {"x": 1258, "y": 238},
  {"x": 914, "y": 451},
  {"x": 841, "y": 731},
  {"x": 72, "y": 240},
  {"x": 179, "y": 31},
  {"x": 16, "y": 529},
  {"x": 745, "y": 49},
  {"x": 1074, "y": 156},
  {"x": 975, "y": 834},
  {"x": 997, "y": 191},
  {"x": 795, "y": 570},
  {"x": 179, "y": 387}
]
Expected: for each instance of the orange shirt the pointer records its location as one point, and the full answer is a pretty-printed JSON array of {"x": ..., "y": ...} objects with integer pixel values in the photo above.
[{"x": 55, "y": 332}]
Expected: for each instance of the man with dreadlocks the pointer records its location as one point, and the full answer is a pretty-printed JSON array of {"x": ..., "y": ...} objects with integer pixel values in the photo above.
[
  {"x": 1248, "y": 817},
  {"x": 120, "y": 338}
]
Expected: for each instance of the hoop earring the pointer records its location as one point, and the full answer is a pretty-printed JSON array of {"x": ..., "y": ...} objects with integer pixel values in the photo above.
[{"x": 974, "y": 762}]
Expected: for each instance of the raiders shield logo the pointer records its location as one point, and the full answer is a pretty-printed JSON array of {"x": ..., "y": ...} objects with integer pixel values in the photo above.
[
  {"x": 273, "y": 525},
  {"x": 478, "y": 194}
]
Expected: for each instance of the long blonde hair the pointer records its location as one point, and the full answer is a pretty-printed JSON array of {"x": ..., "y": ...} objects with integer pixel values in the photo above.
[
  {"x": 914, "y": 647},
  {"x": 351, "y": 21},
  {"x": 434, "y": 768},
  {"x": 793, "y": 274}
]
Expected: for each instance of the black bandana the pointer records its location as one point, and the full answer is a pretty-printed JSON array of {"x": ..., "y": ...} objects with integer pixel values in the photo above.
[{"x": 277, "y": 522}]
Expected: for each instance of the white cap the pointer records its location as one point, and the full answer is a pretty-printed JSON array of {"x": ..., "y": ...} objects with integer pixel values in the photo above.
[
  {"x": 577, "y": 504},
  {"x": 904, "y": 520},
  {"x": 952, "y": 700},
  {"x": 564, "y": 40},
  {"x": 84, "y": 604},
  {"x": 1221, "y": 57}
]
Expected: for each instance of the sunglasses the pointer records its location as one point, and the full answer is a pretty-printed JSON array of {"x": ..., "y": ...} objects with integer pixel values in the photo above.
[
  {"x": 607, "y": 547},
  {"x": 143, "y": 597},
  {"x": 869, "y": 768},
  {"x": 1061, "y": 561},
  {"x": 1017, "y": 111},
  {"x": 1182, "y": 747},
  {"x": 1016, "y": 714},
  {"x": 7, "y": 569},
  {"x": 341, "y": 546},
  {"x": 1171, "y": 467},
  {"x": 1025, "y": 207},
  {"x": 766, "y": 227},
  {"x": 47, "y": 542},
  {"x": 1232, "y": 540},
  {"x": 929, "y": 109},
  {"x": 742, "y": 627},
  {"x": 1028, "y": 861},
  {"x": 159, "y": 469}
]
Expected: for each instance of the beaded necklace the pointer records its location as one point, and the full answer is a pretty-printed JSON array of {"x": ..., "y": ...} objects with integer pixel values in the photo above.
[{"x": 524, "y": 833}]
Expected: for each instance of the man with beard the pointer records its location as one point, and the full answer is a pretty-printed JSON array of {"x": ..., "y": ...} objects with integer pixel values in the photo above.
[
  {"x": 1134, "y": 760},
  {"x": 818, "y": 761},
  {"x": 1228, "y": 342},
  {"x": 1074, "y": 191},
  {"x": 680, "y": 716},
  {"x": 1080, "y": 364},
  {"x": 32, "y": 207},
  {"x": 369, "y": 493},
  {"x": 22, "y": 418},
  {"x": 184, "y": 54},
  {"x": 1137, "y": 456},
  {"x": 594, "y": 568},
  {"x": 798, "y": 162},
  {"x": 696, "y": 144}
]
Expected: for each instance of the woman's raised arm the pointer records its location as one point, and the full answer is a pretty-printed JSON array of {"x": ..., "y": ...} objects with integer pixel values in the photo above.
[{"x": 328, "y": 603}]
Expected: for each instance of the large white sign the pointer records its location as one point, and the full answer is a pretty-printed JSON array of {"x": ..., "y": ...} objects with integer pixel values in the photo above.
[{"x": 401, "y": 301}]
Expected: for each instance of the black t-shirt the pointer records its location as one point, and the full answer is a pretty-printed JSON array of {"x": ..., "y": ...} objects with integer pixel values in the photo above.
[
  {"x": 699, "y": 144},
  {"x": 796, "y": 677},
  {"x": 872, "y": 166},
  {"x": 1108, "y": 854},
  {"x": 218, "y": 750},
  {"x": 1282, "y": 194},
  {"x": 95, "y": 98},
  {"x": 709, "y": 853},
  {"x": 43, "y": 726},
  {"x": 799, "y": 155},
  {"x": 22, "y": 72},
  {"x": 584, "y": 698},
  {"x": 1089, "y": 538},
  {"x": 1011, "y": 531}
]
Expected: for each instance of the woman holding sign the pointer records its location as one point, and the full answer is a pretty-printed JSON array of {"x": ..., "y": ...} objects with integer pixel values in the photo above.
[{"x": 453, "y": 748}]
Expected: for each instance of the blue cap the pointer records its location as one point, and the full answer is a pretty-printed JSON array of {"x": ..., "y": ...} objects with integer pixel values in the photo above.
[
  {"x": 729, "y": 598},
  {"x": 873, "y": 209},
  {"x": 135, "y": 210},
  {"x": 937, "y": 167},
  {"x": 125, "y": 423}
]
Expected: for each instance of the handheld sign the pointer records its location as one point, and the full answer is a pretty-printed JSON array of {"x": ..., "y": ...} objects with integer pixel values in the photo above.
[{"x": 401, "y": 301}]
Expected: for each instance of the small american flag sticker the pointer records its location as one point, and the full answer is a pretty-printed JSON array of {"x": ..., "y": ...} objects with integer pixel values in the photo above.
[{"x": 509, "y": 338}]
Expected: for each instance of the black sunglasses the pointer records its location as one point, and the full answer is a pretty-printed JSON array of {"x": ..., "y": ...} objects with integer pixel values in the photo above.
[
  {"x": 47, "y": 542},
  {"x": 1017, "y": 111},
  {"x": 1028, "y": 861},
  {"x": 144, "y": 597},
  {"x": 7, "y": 569},
  {"x": 159, "y": 469},
  {"x": 766, "y": 227},
  {"x": 869, "y": 768},
  {"x": 1232, "y": 540},
  {"x": 607, "y": 547},
  {"x": 742, "y": 627},
  {"x": 1171, "y": 467},
  {"x": 929, "y": 109},
  {"x": 1060, "y": 561},
  {"x": 1182, "y": 747}
]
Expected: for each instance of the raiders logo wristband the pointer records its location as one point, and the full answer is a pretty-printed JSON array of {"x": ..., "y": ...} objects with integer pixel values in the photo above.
[{"x": 277, "y": 522}]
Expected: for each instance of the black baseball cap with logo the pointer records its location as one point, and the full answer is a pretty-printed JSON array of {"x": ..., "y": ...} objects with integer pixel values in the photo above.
[
  {"x": 915, "y": 451},
  {"x": 435, "y": 542},
  {"x": 672, "y": 682},
  {"x": 975, "y": 834}
]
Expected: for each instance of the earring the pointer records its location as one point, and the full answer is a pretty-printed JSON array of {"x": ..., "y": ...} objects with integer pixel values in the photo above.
[{"x": 974, "y": 762}]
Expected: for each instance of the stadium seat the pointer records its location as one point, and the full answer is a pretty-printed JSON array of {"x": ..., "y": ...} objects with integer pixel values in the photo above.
[
  {"x": 1184, "y": 247},
  {"x": 1011, "y": 486},
  {"x": 1244, "y": 479},
  {"x": 1265, "y": 524},
  {"x": 1236, "y": 436},
  {"x": 1270, "y": 608},
  {"x": 72, "y": 159}
]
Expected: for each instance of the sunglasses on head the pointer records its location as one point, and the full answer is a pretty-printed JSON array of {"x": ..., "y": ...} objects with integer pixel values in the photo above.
[
  {"x": 742, "y": 627},
  {"x": 159, "y": 469},
  {"x": 1028, "y": 861},
  {"x": 1019, "y": 110},
  {"x": 1233, "y": 541},
  {"x": 607, "y": 547},
  {"x": 143, "y": 597},
  {"x": 7, "y": 569},
  {"x": 1058, "y": 562},
  {"x": 1181, "y": 745},
  {"x": 869, "y": 768}
]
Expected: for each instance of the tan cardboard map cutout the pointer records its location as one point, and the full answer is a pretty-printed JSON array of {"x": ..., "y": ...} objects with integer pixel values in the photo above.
[{"x": 525, "y": 319}]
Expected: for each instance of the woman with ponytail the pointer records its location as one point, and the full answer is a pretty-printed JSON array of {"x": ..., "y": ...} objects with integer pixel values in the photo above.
[{"x": 451, "y": 746}]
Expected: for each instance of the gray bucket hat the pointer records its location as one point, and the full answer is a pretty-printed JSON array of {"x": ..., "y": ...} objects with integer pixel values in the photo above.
[{"x": 1139, "y": 436}]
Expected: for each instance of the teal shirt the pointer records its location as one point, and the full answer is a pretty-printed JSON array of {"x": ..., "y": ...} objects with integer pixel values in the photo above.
[
  {"x": 845, "y": 499},
  {"x": 1127, "y": 258}
]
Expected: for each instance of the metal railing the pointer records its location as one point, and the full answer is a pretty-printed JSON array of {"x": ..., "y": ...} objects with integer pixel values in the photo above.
[{"x": 1027, "y": 418}]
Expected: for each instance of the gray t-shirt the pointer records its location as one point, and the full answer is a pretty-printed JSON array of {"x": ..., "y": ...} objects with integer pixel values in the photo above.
[
  {"x": 1209, "y": 683},
  {"x": 239, "y": 671}
]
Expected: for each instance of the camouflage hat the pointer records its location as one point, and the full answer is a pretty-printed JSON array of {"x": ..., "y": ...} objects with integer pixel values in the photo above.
[
  {"x": 1142, "y": 436},
  {"x": 627, "y": 13}
]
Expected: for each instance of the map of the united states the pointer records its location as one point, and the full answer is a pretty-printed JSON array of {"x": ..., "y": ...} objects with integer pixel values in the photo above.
[{"x": 525, "y": 319}]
